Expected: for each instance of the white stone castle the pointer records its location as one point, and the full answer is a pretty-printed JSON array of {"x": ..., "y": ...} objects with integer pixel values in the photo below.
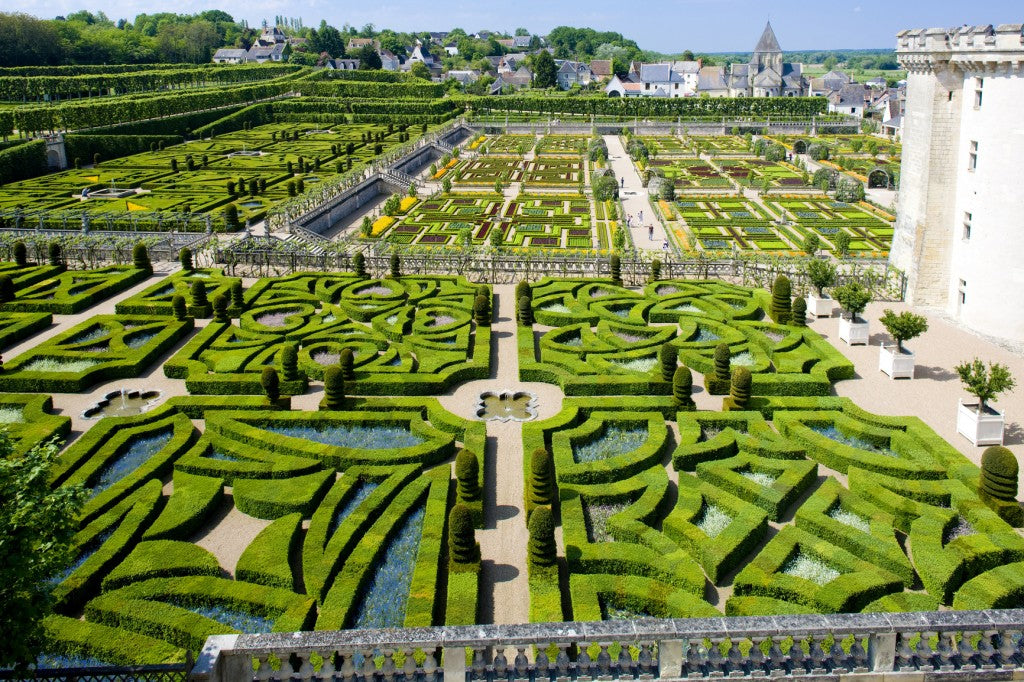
[{"x": 960, "y": 227}]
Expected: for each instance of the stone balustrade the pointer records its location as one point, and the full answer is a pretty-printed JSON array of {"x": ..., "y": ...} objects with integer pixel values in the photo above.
[{"x": 975, "y": 645}]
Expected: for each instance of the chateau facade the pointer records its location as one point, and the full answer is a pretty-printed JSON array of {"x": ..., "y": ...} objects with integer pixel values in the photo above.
[{"x": 959, "y": 233}]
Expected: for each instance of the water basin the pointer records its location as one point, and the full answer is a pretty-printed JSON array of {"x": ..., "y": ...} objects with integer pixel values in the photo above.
[
  {"x": 123, "y": 403},
  {"x": 519, "y": 406}
]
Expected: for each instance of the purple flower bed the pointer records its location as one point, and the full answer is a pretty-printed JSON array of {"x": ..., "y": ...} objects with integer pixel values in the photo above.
[
  {"x": 274, "y": 319},
  {"x": 579, "y": 233},
  {"x": 408, "y": 228},
  {"x": 543, "y": 241},
  {"x": 433, "y": 239}
]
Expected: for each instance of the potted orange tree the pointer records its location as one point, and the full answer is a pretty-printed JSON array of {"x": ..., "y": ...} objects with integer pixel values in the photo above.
[
  {"x": 978, "y": 421},
  {"x": 897, "y": 361}
]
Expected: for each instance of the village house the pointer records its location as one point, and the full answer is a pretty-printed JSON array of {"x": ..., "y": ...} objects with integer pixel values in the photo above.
[
  {"x": 270, "y": 46},
  {"x": 668, "y": 79},
  {"x": 572, "y": 73}
]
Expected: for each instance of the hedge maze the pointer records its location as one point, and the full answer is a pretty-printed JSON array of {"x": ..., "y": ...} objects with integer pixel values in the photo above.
[{"x": 802, "y": 503}]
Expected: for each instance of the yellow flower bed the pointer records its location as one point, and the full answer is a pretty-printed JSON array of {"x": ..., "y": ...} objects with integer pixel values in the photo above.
[
  {"x": 135, "y": 207},
  {"x": 877, "y": 211},
  {"x": 407, "y": 203},
  {"x": 381, "y": 224},
  {"x": 683, "y": 239},
  {"x": 477, "y": 142},
  {"x": 666, "y": 209},
  {"x": 439, "y": 174}
]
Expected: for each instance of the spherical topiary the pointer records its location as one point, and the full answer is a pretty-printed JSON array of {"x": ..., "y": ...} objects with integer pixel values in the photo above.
[
  {"x": 185, "y": 256},
  {"x": 462, "y": 544},
  {"x": 347, "y": 360},
  {"x": 198, "y": 295},
  {"x": 396, "y": 265},
  {"x": 999, "y": 470},
  {"x": 782, "y": 293},
  {"x": 739, "y": 389},
  {"x": 334, "y": 388},
  {"x": 682, "y": 387},
  {"x": 799, "y": 312},
  {"x": 723, "y": 357},
  {"x": 220, "y": 308},
  {"x": 237, "y": 301},
  {"x": 525, "y": 311},
  {"x": 482, "y": 311},
  {"x": 359, "y": 265},
  {"x": 467, "y": 473},
  {"x": 542, "y": 477},
  {"x": 178, "y": 307},
  {"x": 668, "y": 357},
  {"x": 616, "y": 268},
  {"x": 20, "y": 254},
  {"x": 289, "y": 358},
  {"x": 271, "y": 384},
  {"x": 140, "y": 258},
  {"x": 6, "y": 288},
  {"x": 543, "y": 552}
]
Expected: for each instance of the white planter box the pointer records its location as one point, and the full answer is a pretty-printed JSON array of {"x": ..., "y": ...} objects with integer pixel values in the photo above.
[
  {"x": 819, "y": 307},
  {"x": 854, "y": 332},
  {"x": 897, "y": 365},
  {"x": 980, "y": 429}
]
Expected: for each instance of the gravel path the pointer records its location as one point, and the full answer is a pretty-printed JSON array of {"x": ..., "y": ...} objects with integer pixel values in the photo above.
[{"x": 634, "y": 198}]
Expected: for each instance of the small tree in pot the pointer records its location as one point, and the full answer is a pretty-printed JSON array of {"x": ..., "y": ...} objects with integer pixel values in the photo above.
[
  {"x": 853, "y": 298},
  {"x": 903, "y": 327},
  {"x": 822, "y": 273},
  {"x": 985, "y": 383}
]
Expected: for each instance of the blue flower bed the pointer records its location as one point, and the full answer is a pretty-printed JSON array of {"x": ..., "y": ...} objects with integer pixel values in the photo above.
[
  {"x": 704, "y": 335},
  {"x": 363, "y": 490},
  {"x": 242, "y": 621},
  {"x": 385, "y": 601},
  {"x": 614, "y": 442},
  {"x": 53, "y": 661},
  {"x": 716, "y": 243},
  {"x": 807, "y": 214},
  {"x": 83, "y": 556},
  {"x": 740, "y": 214},
  {"x": 364, "y": 437},
  {"x": 828, "y": 230},
  {"x": 757, "y": 230},
  {"x": 139, "y": 450},
  {"x": 139, "y": 340},
  {"x": 838, "y": 436}
]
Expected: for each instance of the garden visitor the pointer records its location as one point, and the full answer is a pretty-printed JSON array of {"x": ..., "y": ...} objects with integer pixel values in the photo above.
[
  {"x": 85, "y": 194},
  {"x": 641, "y": 215},
  {"x": 650, "y": 233}
]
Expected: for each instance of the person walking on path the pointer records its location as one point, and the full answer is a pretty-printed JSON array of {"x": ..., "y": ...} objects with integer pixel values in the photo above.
[
  {"x": 650, "y": 233},
  {"x": 641, "y": 215}
]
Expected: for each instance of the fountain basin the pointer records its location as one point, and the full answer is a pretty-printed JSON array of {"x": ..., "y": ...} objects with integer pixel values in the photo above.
[
  {"x": 520, "y": 406},
  {"x": 122, "y": 403}
]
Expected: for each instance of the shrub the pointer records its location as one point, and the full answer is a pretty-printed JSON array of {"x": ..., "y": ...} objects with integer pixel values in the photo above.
[
  {"x": 999, "y": 471},
  {"x": 799, "y": 312},
  {"x": 198, "y": 295},
  {"x": 140, "y": 258},
  {"x": 668, "y": 357},
  {"x": 237, "y": 301},
  {"x": 20, "y": 254},
  {"x": 396, "y": 265},
  {"x": 985, "y": 383},
  {"x": 220, "y": 308},
  {"x": 291, "y": 188},
  {"x": 542, "y": 478},
  {"x": 467, "y": 473},
  {"x": 523, "y": 289},
  {"x": 482, "y": 311},
  {"x": 179, "y": 308},
  {"x": 723, "y": 358},
  {"x": 334, "y": 388},
  {"x": 739, "y": 389},
  {"x": 853, "y": 298},
  {"x": 655, "y": 270},
  {"x": 542, "y": 549},
  {"x": 231, "y": 216},
  {"x": 56, "y": 256},
  {"x": 525, "y": 311},
  {"x": 616, "y": 268},
  {"x": 185, "y": 257},
  {"x": 812, "y": 243},
  {"x": 822, "y": 273},
  {"x": 289, "y": 359},
  {"x": 849, "y": 191},
  {"x": 271, "y": 384},
  {"x": 818, "y": 152},
  {"x": 842, "y": 242},
  {"x": 347, "y": 360},
  {"x": 782, "y": 295},
  {"x": 606, "y": 188},
  {"x": 6, "y": 288},
  {"x": 682, "y": 387},
  {"x": 462, "y": 543},
  {"x": 359, "y": 264},
  {"x": 903, "y": 327}
]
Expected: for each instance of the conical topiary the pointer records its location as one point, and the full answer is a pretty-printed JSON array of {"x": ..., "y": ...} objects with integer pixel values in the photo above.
[
  {"x": 220, "y": 308},
  {"x": 140, "y": 258},
  {"x": 542, "y": 478},
  {"x": 543, "y": 552},
  {"x": 682, "y": 387},
  {"x": 334, "y": 388},
  {"x": 185, "y": 257},
  {"x": 739, "y": 389},
  {"x": 799, "y": 312},
  {"x": 462, "y": 544},
  {"x": 20, "y": 254},
  {"x": 237, "y": 299},
  {"x": 6, "y": 288},
  {"x": 999, "y": 471},
  {"x": 723, "y": 358},
  {"x": 56, "y": 255},
  {"x": 271, "y": 384},
  {"x": 198, "y": 295},
  {"x": 525, "y": 312},
  {"x": 782, "y": 294},
  {"x": 347, "y": 361},
  {"x": 482, "y": 311},
  {"x": 359, "y": 265},
  {"x": 289, "y": 360},
  {"x": 179, "y": 308},
  {"x": 668, "y": 357},
  {"x": 467, "y": 474},
  {"x": 616, "y": 268},
  {"x": 396, "y": 265}
]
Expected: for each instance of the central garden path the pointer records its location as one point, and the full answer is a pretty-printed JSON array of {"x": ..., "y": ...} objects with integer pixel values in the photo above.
[{"x": 634, "y": 198}]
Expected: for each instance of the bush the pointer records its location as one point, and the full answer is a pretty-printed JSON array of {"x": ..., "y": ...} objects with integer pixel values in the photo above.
[
  {"x": 850, "y": 191},
  {"x": 812, "y": 243},
  {"x": 525, "y": 311},
  {"x": 6, "y": 288},
  {"x": 739, "y": 389},
  {"x": 482, "y": 311},
  {"x": 396, "y": 265},
  {"x": 185, "y": 256},
  {"x": 606, "y": 188},
  {"x": 334, "y": 388},
  {"x": 271, "y": 384},
  {"x": 523, "y": 290},
  {"x": 56, "y": 256},
  {"x": 346, "y": 360},
  {"x": 903, "y": 327},
  {"x": 20, "y": 254},
  {"x": 615, "y": 265},
  {"x": 799, "y": 312},
  {"x": 853, "y": 298},
  {"x": 782, "y": 295},
  {"x": 822, "y": 273},
  {"x": 140, "y": 259},
  {"x": 179, "y": 308},
  {"x": 542, "y": 479},
  {"x": 999, "y": 471},
  {"x": 817, "y": 152},
  {"x": 237, "y": 300},
  {"x": 842, "y": 242},
  {"x": 543, "y": 552},
  {"x": 462, "y": 544},
  {"x": 682, "y": 387},
  {"x": 231, "y": 217},
  {"x": 668, "y": 357},
  {"x": 655, "y": 270},
  {"x": 289, "y": 359},
  {"x": 220, "y": 309},
  {"x": 359, "y": 264},
  {"x": 723, "y": 358},
  {"x": 198, "y": 295},
  {"x": 467, "y": 474}
]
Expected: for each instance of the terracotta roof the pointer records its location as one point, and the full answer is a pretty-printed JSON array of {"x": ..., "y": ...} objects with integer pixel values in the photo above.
[{"x": 601, "y": 67}]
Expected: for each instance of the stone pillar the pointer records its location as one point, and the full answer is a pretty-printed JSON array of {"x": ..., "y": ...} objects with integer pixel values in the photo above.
[{"x": 454, "y": 664}]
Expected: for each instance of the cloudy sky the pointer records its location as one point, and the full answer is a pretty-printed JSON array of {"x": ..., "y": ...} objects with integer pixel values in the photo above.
[{"x": 663, "y": 25}]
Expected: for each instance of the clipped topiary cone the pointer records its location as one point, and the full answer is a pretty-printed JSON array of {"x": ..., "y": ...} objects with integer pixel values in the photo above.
[
  {"x": 220, "y": 309},
  {"x": 482, "y": 311},
  {"x": 271, "y": 384},
  {"x": 179, "y": 308},
  {"x": 525, "y": 311},
  {"x": 723, "y": 358},
  {"x": 359, "y": 265},
  {"x": 542, "y": 477},
  {"x": 237, "y": 300},
  {"x": 543, "y": 552},
  {"x": 6, "y": 288},
  {"x": 682, "y": 387},
  {"x": 334, "y": 388},
  {"x": 799, "y": 312},
  {"x": 289, "y": 360},
  {"x": 140, "y": 258},
  {"x": 467, "y": 474},
  {"x": 198, "y": 295},
  {"x": 347, "y": 361},
  {"x": 668, "y": 357},
  {"x": 462, "y": 543},
  {"x": 782, "y": 294},
  {"x": 999, "y": 471},
  {"x": 739, "y": 388}
]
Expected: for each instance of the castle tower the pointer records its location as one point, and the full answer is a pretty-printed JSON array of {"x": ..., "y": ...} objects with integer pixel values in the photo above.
[
  {"x": 959, "y": 233},
  {"x": 767, "y": 53}
]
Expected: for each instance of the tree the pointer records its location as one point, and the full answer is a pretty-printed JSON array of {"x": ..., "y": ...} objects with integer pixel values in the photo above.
[
  {"x": 606, "y": 188},
  {"x": 420, "y": 70},
  {"x": 903, "y": 327},
  {"x": 525, "y": 311},
  {"x": 368, "y": 58},
  {"x": 842, "y": 242},
  {"x": 853, "y": 298},
  {"x": 544, "y": 70},
  {"x": 140, "y": 258},
  {"x": 812, "y": 243},
  {"x": 37, "y": 523},
  {"x": 849, "y": 190},
  {"x": 985, "y": 383},
  {"x": 822, "y": 273}
]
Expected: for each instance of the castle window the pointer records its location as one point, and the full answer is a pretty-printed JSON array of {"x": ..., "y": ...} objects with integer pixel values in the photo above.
[
  {"x": 979, "y": 83},
  {"x": 963, "y": 291},
  {"x": 972, "y": 159},
  {"x": 967, "y": 225}
]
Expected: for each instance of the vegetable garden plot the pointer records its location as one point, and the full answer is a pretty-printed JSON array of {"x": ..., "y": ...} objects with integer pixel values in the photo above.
[
  {"x": 666, "y": 145},
  {"x": 754, "y": 171},
  {"x": 723, "y": 223},
  {"x": 510, "y": 145},
  {"x": 554, "y": 172},
  {"x": 486, "y": 170},
  {"x": 562, "y": 145},
  {"x": 686, "y": 173},
  {"x": 868, "y": 233},
  {"x": 719, "y": 144}
]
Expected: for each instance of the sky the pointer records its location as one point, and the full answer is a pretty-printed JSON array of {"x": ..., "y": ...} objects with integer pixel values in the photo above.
[{"x": 669, "y": 26}]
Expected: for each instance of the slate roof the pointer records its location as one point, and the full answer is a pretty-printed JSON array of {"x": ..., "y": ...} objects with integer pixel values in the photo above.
[
  {"x": 852, "y": 95},
  {"x": 230, "y": 53},
  {"x": 768, "y": 41},
  {"x": 711, "y": 78}
]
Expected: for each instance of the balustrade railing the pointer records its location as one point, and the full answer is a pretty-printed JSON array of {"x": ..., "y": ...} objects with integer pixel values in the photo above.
[{"x": 965, "y": 645}]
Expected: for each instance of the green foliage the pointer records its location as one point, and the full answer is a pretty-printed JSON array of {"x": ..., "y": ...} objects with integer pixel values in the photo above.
[
  {"x": 655, "y": 270},
  {"x": 198, "y": 295},
  {"x": 334, "y": 388},
  {"x": 396, "y": 265},
  {"x": 542, "y": 550},
  {"x": 22, "y": 161},
  {"x": 482, "y": 311},
  {"x": 606, "y": 188},
  {"x": 822, "y": 273},
  {"x": 267, "y": 559},
  {"x": 542, "y": 479},
  {"x": 140, "y": 259},
  {"x": 616, "y": 269},
  {"x": 289, "y": 361},
  {"x": 185, "y": 257},
  {"x": 999, "y": 471},
  {"x": 668, "y": 357},
  {"x": 237, "y": 299},
  {"x": 525, "y": 311},
  {"x": 739, "y": 389},
  {"x": 271, "y": 384},
  {"x": 904, "y": 326},
  {"x": 812, "y": 243},
  {"x": 6, "y": 288},
  {"x": 20, "y": 254},
  {"x": 462, "y": 545},
  {"x": 359, "y": 264},
  {"x": 799, "y": 312},
  {"x": 842, "y": 243},
  {"x": 682, "y": 387},
  {"x": 782, "y": 295},
  {"x": 37, "y": 523},
  {"x": 346, "y": 360},
  {"x": 985, "y": 383},
  {"x": 853, "y": 297},
  {"x": 723, "y": 358},
  {"x": 467, "y": 475},
  {"x": 56, "y": 255},
  {"x": 220, "y": 309}
]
